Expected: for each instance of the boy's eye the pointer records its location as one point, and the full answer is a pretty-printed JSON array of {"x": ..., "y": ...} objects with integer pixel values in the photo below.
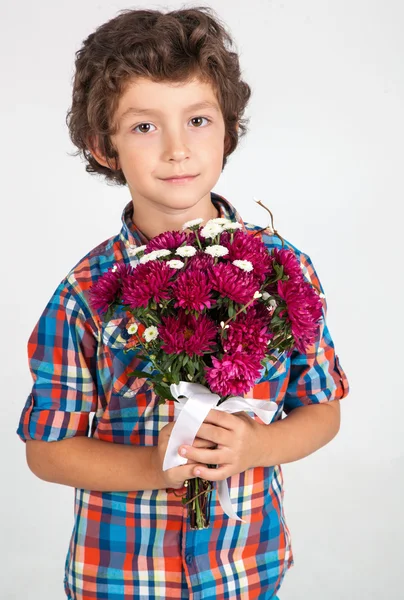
[
  {"x": 142, "y": 125},
  {"x": 196, "y": 119}
]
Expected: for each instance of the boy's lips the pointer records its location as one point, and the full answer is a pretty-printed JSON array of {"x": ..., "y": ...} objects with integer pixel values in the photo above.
[{"x": 180, "y": 178}]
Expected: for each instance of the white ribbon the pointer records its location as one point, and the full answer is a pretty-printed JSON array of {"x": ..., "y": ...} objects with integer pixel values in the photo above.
[{"x": 189, "y": 414}]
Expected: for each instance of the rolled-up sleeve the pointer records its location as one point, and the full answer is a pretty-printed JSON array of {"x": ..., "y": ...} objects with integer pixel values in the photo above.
[
  {"x": 62, "y": 355},
  {"x": 315, "y": 376}
]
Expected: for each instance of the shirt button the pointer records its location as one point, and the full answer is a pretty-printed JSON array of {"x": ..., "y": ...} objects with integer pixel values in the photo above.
[{"x": 188, "y": 559}]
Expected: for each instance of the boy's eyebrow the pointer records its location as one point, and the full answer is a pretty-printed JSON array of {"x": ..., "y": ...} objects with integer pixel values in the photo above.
[{"x": 133, "y": 110}]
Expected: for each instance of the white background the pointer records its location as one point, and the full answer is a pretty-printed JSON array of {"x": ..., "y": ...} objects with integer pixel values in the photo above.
[{"x": 325, "y": 154}]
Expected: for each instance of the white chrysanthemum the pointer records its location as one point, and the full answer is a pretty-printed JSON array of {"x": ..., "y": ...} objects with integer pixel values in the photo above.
[
  {"x": 192, "y": 223},
  {"x": 257, "y": 294},
  {"x": 265, "y": 296},
  {"x": 175, "y": 264},
  {"x": 134, "y": 250},
  {"x": 246, "y": 265},
  {"x": 273, "y": 303},
  {"x": 154, "y": 255},
  {"x": 211, "y": 230},
  {"x": 186, "y": 251},
  {"x": 217, "y": 250},
  {"x": 146, "y": 257},
  {"x": 132, "y": 329},
  {"x": 219, "y": 221},
  {"x": 162, "y": 252},
  {"x": 232, "y": 226},
  {"x": 150, "y": 333}
]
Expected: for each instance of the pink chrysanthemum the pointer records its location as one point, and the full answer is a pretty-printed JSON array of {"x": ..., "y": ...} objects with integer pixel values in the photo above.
[
  {"x": 185, "y": 333},
  {"x": 108, "y": 287},
  {"x": 250, "y": 331},
  {"x": 201, "y": 261},
  {"x": 232, "y": 282},
  {"x": 291, "y": 265},
  {"x": 192, "y": 290},
  {"x": 191, "y": 238},
  {"x": 169, "y": 240},
  {"x": 233, "y": 374},
  {"x": 304, "y": 309},
  {"x": 247, "y": 247},
  {"x": 148, "y": 281}
]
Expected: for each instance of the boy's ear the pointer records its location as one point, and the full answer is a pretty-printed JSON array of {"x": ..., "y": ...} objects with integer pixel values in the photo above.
[
  {"x": 226, "y": 142},
  {"x": 113, "y": 163}
]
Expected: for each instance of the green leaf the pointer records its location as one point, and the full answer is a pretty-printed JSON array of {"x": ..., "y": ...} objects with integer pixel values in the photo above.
[
  {"x": 191, "y": 368},
  {"x": 273, "y": 358},
  {"x": 109, "y": 314},
  {"x": 163, "y": 392},
  {"x": 174, "y": 371},
  {"x": 142, "y": 357},
  {"x": 164, "y": 384},
  {"x": 138, "y": 373}
]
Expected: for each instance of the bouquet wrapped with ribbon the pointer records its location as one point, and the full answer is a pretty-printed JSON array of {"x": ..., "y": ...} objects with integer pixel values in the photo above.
[{"x": 212, "y": 306}]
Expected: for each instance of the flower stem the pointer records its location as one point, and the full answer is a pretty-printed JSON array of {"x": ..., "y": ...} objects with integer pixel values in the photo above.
[
  {"x": 197, "y": 239},
  {"x": 198, "y": 493},
  {"x": 196, "y": 506},
  {"x": 149, "y": 355},
  {"x": 198, "y": 498},
  {"x": 238, "y": 312},
  {"x": 153, "y": 318},
  {"x": 272, "y": 224}
]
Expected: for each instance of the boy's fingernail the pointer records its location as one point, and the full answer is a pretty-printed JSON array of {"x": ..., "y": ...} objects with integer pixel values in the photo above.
[
  {"x": 183, "y": 451},
  {"x": 197, "y": 472}
]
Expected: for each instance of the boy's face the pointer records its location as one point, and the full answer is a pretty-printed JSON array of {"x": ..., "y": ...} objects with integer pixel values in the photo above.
[{"x": 171, "y": 137}]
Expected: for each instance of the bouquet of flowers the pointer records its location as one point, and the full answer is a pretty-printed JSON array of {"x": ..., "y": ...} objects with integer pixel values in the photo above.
[{"x": 211, "y": 306}]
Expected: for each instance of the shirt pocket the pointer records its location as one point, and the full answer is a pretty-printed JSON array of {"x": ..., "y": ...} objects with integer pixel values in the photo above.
[
  {"x": 117, "y": 339},
  {"x": 112, "y": 333}
]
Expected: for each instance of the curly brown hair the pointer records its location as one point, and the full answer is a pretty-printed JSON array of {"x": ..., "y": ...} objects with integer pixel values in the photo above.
[{"x": 174, "y": 46}]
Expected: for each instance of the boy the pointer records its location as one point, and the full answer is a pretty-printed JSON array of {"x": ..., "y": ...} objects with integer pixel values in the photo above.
[{"x": 157, "y": 97}]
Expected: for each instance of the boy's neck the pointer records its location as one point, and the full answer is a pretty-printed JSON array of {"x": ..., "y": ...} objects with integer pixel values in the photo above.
[{"x": 154, "y": 222}]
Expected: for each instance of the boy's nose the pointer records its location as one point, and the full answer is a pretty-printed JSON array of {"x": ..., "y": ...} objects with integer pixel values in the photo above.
[
  {"x": 176, "y": 147},
  {"x": 176, "y": 152}
]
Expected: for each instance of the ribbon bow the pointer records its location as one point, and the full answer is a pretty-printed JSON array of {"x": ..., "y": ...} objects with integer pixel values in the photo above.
[{"x": 190, "y": 412}]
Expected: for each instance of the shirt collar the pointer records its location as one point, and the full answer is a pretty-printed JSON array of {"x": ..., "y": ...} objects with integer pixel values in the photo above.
[{"x": 131, "y": 235}]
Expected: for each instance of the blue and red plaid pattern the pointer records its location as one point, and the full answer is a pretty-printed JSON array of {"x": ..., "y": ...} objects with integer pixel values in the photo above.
[{"x": 138, "y": 545}]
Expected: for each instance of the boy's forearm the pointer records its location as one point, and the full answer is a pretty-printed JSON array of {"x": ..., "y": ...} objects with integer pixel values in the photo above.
[
  {"x": 302, "y": 432},
  {"x": 93, "y": 464}
]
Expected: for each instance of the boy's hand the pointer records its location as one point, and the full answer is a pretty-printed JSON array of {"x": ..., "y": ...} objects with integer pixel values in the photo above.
[
  {"x": 174, "y": 478},
  {"x": 238, "y": 439}
]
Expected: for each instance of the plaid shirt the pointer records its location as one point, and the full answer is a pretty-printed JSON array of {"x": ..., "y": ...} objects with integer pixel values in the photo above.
[{"x": 137, "y": 545}]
